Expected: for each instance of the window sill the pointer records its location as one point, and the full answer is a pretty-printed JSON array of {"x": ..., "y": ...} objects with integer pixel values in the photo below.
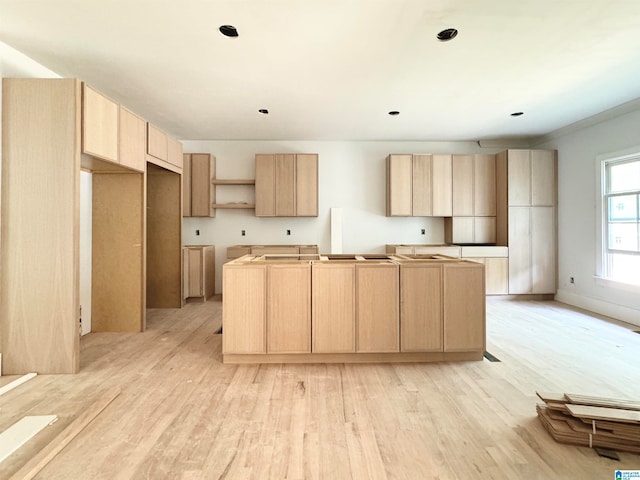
[{"x": 607, "y": 282}]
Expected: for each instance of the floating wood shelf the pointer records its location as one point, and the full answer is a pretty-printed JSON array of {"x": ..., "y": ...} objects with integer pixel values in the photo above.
[
  {"x": 219, "y": 181},
  {"x": 233, "y": 205}
]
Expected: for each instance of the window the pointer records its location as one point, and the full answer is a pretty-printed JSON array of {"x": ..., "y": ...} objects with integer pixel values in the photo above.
[{"x": 621, "y": 219}]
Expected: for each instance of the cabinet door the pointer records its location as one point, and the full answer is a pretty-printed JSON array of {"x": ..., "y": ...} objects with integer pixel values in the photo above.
[
  {"x": 196, "y": 272},
  {"x": 306, "y": 185},
  {"x": 157, "y": 145},
  {"x": 399, "y": 185},
  {"x": 132, "y": 146},
  {"x": 333, "y": 308},
  {"x": 441, "y": 183},
  {"x": 421, "y": 308},
  {"x": 484, "y": 229},
  {"x": 519, "y": 250},
  {"x": 462, "y": 188},
  {"x": 243, "y": 309},
  {"x": 543, "y": 178},
  {"x": 209, "y": 273},
  {"x": 265, "y": 185},
  {"x": 421, "y": 186},
  {"x": 459, "y": 230},
  {"x": 174, "y": 151},
  {"x": 377, "y": 308},
  {"x": 289, "y": 308},
  {"x": 496, "y": 275},
  {"x": 519, "y": 177},
  {"x": 285, "y": 185},
  {"x": 99, "y": 125},
  {"x": 186, "y": 185},
  {"x": 202, "y": 171},
  {"x": 464, "y": 307},
  {"x": 543, "y": 250},
  {"x": 484, "y": 186}
]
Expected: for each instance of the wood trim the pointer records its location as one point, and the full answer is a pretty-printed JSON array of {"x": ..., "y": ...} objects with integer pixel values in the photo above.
[
  {"x": 163, "y": 164},
  {"x": 391, "y": 357}
]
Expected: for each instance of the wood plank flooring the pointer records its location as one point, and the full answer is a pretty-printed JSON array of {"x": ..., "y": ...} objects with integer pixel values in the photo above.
[{"x": 184, "y": 415}]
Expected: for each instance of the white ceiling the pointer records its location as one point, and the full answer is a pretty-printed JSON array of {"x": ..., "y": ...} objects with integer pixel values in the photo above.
[{"x": 332, "y": 69}]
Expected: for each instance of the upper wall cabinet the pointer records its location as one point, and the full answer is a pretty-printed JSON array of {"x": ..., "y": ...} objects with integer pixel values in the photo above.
[
  {"x": 531, "y": 178},
  {"x": 419, "y": 185},
  {"x": 133, "y": 137},
  {"x": 474, "y": 185},
  {"x": 99, "y": 125},
  {"x": 163, "y": 147},
  {"x": 199, "y": 169},
  {"x": 286, "y": 185}
]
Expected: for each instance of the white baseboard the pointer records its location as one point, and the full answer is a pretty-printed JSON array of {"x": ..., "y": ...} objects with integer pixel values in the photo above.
[{"x": 619, "y": 312}]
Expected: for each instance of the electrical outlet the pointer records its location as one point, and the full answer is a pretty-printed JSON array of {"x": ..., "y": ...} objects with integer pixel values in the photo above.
[
  {"x": 572, "y": 280},
  {"x": 288, "y": 232},
  {"x": 423, "y": 231},
  {"x": 197, "y": 232},
  {"x": 243, "y": 234}
]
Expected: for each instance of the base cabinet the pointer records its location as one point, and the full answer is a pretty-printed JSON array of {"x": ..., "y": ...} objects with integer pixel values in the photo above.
[
  {"x": 463, "y": 307},
  {"x": 199, "y": 272}
]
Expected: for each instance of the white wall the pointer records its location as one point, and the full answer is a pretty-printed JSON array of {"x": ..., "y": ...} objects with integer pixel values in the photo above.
[
  {"x": 351, "y": 176},
  {"x": 577, "y": 200}
]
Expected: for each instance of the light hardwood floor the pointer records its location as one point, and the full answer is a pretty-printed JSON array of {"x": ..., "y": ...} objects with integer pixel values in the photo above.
[{"x": 184, "y": 415}]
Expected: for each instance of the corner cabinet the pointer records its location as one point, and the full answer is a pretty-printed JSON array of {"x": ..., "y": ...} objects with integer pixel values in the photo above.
[{"x": 286, "y": 185}]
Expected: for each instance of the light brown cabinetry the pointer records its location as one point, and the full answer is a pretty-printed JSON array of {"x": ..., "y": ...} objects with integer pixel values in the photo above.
[
  {"x": 464, "y": 307},
  {"x": 245, "y": 288},
  {"x": 496, "y": 263},
  {"x": 286, "y": 185},
  {"x": 133, "y": 140},
  {"x": 163, "y": 147},
  {"x": 421, "y": 307},
  {"x": 377, "y": 307},
  {"x": 236, "y": 251},
  {"x": 448, "y": 250},
  {"x": 199, "y": 272},
  {"x": 333, "y": 308},
  {"x": 470, "y": 230},
  {"x": 527, "y": 218},
  {"x": 289, "y": 308},
  {"x": 199, "y": 170},
  {"x": 419, "y": 185},
  {"x": 99, "y": 125}
]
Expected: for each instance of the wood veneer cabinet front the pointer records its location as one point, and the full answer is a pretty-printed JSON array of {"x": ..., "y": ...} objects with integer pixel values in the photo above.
[
  {"x": 377, "y": 315},
  {"x": 132, "y": 140},
  {"x": 99, "y": 125},
  {"x": 286, "y": 185},
  {"x": 288, "y": 308},
  {"x": 199, "y": 266},
  {"x": 464, "y": 307},
  {"x": 333, "y": 308},
  {"x": 199, "y": 169},
  {"x": 164, "y": 148},
  {"x": 244, "y": 309}
]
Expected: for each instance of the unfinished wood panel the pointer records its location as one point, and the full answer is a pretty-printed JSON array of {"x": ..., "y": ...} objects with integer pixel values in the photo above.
[
  {"x": 519, "y": 250},
  {"x": 543, "y": 250},
  {"x": 258, "y": 250},
  {"x": 502, "y": 201},
  {"x": 174, "y": 152},
  {"x": 519, "y": 177},
  {"x": 209, "y": 253},
  {"x": 195, "y": 258},
  {"x": 399, "y": 188},
  {"x": 308, "y": 249},
  {"x": 285, "y": 201},
  {"x": 306, "y": 185},
  {"x": 449, "y": 250},
  {"x": 543, "y": 178},
  {"x": 244, "y": 309},
  {"x": 203, "y": 170},
  {"x": 459, "y": 230},
  {"x": 185, "y": 273},
  {"x": 463, "y": 193},
  {"x": 132, "y": 141},
  {"x": 484, "y": 186},
  {"x": 289, "y": 308},
  {"x": 157, "y": 145},
  {"x": 117, "y": 249},
  {"x": 377, "y": 308},
  {"x": 238, "y": 251},
  {"x": 333, "y": 308},
  {"x": 421, "y": 308},
  {"x": 464, "y": 307},
  {"x": 441, "y": 182},
  {"x": 265, "y": 185},
  {"x": 496, "y": 276},
  {"x": 164, "y": 238},
  {"x": 39, "y": 305},
  {"x": 99, "y": 125},
  {"x": 484, "y": 229},
  {"x": 421, "y": 186},
  {"x": 186, "y": 185}
]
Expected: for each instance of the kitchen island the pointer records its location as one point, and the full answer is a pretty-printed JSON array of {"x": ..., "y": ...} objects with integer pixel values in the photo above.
[{"x": 352, "y": 308}]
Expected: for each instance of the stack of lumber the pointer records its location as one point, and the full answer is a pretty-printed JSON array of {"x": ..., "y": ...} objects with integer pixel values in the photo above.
[{"x": 591, "y": 421}]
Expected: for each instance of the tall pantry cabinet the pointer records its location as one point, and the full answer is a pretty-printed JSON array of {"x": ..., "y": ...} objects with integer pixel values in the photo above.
[{"x": 527, "y": 202}]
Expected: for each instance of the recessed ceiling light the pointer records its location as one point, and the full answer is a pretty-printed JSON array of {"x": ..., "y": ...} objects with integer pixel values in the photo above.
[
  {"x": 394, "y": 113},
  {"x": 228, "y": 31},
  {"x": 263, "y": 111},
  {"x": 447, "y": 34},
  {"x": 517, "y": 114}
]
